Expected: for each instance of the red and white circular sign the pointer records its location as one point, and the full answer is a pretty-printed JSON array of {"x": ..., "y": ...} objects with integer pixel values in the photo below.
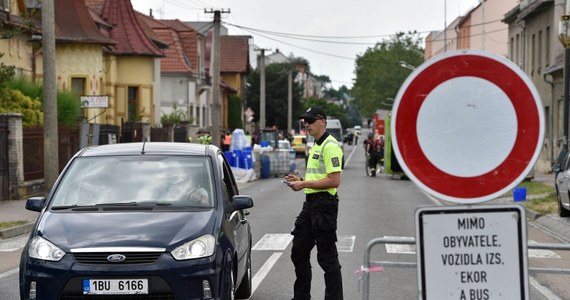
[{"x": 467, "y": 126}]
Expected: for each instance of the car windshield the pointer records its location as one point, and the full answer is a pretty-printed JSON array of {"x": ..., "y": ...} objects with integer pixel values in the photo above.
[{"x": 136, "y": 180}]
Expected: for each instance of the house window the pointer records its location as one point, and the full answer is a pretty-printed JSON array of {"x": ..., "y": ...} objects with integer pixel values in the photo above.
[
  {"x": 539, "y": 54},
  {"x": 132, "y": 102},
  {"x": 78, "y": 86},
  {"x": 512, "y": 49},
  {"x": 532, "y": 53},
  {"x": 517, "y": 49},
  {"x": 547, "y": 47}
]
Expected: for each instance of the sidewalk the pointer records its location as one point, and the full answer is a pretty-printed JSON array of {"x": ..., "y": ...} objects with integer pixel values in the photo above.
[{"x": 15, "y": 210}]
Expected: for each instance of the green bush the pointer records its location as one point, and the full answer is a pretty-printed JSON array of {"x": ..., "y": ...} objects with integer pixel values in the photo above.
[
  {"x": 68, "y": 108},
  {"x": 176, "y": 116},
  {"x": 14, "y": 101},
  {"x": 68, "y": 104}
]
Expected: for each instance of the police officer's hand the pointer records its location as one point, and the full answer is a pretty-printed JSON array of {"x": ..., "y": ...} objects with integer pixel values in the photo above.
[{"x": 294, "y": 182}]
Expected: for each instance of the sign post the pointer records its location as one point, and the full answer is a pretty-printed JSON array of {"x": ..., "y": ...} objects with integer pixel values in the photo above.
[{"x": 472, "y": 252}]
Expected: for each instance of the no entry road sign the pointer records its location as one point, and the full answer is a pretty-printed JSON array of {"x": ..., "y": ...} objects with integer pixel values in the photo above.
[{"x": 467, "y": 126}]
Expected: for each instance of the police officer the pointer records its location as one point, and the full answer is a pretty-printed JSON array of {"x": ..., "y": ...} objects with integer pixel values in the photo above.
[{"x": 317, "y": 222}]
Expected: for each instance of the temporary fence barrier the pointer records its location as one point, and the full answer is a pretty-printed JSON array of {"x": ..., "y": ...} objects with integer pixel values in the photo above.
[{"x": 370, "y": 266}]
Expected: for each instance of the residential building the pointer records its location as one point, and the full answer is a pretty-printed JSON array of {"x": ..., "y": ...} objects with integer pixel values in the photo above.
[
  {"x": 480, "y": 28},
  {"x": 183, "y": 82},
  {"x": 534, "y": 47}
]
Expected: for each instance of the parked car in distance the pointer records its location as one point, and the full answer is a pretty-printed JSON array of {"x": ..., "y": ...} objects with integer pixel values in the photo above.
[
  {"x": 562, "y": 184},
  {"x": 299, "y": 144},
  {"x": 144, "y": 220},
  {"x": 357, "y": 130}
]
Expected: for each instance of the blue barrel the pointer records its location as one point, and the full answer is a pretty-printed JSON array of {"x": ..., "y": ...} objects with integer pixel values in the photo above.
[
  {"x": 247, "y": 159},
  {"x": 229, "y": 157},
  {"x": 264, "y": 143},
  {"x": 292, "y": 164},
  {"x": 237, "y": 159},
  {"x": 265, "y": 166}
]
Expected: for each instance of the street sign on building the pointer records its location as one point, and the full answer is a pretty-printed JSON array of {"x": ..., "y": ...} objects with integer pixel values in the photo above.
[
  {"x": 94, "y": 101},
  {"x": 472, "y": 252},
  {"x": 467, "y": 126}
]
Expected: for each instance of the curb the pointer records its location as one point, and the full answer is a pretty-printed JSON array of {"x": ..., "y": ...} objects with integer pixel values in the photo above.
[{"x": 16, "y": 231}]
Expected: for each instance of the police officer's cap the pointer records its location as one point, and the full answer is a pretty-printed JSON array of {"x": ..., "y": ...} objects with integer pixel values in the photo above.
[{"x": 314, "y": 112}]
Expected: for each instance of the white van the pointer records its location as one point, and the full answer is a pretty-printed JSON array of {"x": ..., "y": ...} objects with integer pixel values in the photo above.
[{"x": 335, "y": 129}]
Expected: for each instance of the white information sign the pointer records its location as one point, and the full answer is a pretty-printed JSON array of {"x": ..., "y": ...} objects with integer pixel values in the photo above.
[
  {"x": 94, "y": 101},
  {"x": 472, "y": 252}
]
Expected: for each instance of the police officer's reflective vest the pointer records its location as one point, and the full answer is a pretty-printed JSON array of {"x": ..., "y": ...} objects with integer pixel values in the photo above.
[{"x": 323, "y": 159}]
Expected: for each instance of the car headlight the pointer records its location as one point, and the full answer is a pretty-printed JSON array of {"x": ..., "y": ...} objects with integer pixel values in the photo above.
[
  {"x": 203, "y": 246},
  {"x": 43, "y": 249}
]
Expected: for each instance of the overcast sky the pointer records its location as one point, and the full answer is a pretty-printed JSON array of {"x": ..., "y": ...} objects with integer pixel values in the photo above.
[{"x": 328, "y": 33}]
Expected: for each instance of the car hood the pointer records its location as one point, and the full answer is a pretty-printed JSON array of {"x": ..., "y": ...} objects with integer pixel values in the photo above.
[{"x": 125, "y": 229}]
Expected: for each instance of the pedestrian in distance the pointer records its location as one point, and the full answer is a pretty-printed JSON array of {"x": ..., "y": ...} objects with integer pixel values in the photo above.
[
  {"x": 373, "y": 149},
  {"x": 316, "y": 224}
]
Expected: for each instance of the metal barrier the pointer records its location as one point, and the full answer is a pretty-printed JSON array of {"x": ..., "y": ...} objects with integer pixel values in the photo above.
[{"x": 368, "y": 265}]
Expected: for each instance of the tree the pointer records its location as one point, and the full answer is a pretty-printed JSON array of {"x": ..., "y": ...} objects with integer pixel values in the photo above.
[
  {"x": 380, "y": 71},
  {"x": 276, "y": 83},
  {"x": 332, "y": 110}
]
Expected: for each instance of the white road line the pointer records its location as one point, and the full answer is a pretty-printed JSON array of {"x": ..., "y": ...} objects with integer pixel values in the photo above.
[
  {"x": 276, "y": 242},
  {"x": 350, "y": 155},
  {"x": 542, "y": 289},
  {"x": 345, "y": 243},
  {"x": 8, "y": 273},
  {"x": 264, "y": 270}
]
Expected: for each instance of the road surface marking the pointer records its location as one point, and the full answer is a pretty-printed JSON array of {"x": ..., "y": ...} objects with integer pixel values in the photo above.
[
  {"x": 345, "y": 243},
  {"x": 275, "y": 242},
  {"x": 13, "y": 244},
  {"x": 264, "y": 270},
  {"x": 534, "y": 253},
  {"x": 542, "y": 289},
  {"x": 400, "y": 248}
]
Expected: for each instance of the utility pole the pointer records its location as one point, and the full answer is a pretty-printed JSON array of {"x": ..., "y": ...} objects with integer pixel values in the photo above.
[
  {"x": 290, "y": 101},
  {"x": 262, "y": 89},
  {"x": 215, "y": 74},
  {"x": 564, "y": 36},
  {"x": 51, "y": 140}
]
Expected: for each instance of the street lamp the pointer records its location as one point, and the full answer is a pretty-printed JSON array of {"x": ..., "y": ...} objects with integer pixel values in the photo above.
[{"x": 406, "y": 65}]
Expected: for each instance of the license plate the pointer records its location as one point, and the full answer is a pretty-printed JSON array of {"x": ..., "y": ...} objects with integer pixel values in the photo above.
[{"x": 115, "y": 286}]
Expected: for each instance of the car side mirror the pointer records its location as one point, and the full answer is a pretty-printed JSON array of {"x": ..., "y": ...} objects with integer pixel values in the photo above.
[
  {"x": 35, "y": 203},
  {"x": 242, "y": 202}
]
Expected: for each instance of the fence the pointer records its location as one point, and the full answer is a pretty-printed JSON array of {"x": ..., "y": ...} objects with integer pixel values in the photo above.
[
  {"x": 369, "y": 265},
  {"x": 33, "y": 146},
  {"x": 4, "y": 160}
]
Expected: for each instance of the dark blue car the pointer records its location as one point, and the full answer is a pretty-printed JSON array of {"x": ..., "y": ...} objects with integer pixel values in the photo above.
[{"x": 140, "y": 221}]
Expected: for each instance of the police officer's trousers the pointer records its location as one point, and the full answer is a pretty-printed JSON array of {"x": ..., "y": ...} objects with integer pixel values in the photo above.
[{"x": 316, "y": 225}]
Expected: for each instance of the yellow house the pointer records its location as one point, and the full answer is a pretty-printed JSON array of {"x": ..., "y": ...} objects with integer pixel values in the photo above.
[
  {"x": 101, "y": 50},
  {"x": 129, "y": 67},
  {"x": 17, "y": 50}
]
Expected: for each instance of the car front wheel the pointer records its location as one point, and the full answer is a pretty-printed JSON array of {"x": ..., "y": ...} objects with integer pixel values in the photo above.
[{"x": 244, "y": 289}]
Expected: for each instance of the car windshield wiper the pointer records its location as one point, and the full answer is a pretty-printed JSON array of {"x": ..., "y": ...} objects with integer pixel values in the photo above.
[
  {"x": 134, "y": 203},
  {"x": 63, "y": 207}
]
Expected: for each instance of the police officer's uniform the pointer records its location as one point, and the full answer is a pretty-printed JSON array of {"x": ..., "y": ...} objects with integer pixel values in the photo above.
[{"x": 317, "y": 223}]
